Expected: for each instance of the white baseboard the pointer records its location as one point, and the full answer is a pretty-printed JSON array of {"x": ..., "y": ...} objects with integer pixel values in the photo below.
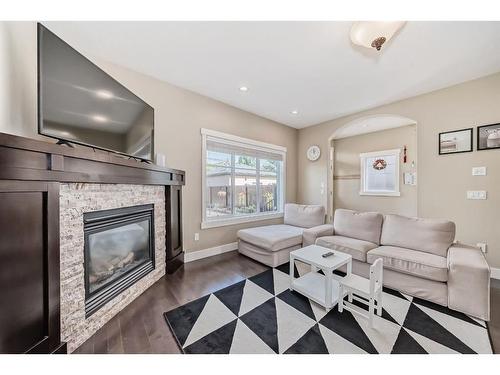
[
  {"x": 205, "y": 253},
  {"x": 495, "y": 273}
]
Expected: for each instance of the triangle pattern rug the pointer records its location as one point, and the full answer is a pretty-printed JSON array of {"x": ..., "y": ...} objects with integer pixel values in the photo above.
[{"x": 260, "y": 315}]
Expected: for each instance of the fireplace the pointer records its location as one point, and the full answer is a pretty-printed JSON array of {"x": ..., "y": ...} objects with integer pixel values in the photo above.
[{"x": 118, "y": 251}]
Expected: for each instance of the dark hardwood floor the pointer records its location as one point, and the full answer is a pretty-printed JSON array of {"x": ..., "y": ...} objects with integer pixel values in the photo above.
[
  {"x": 141, "y": 328},
  {"x": 494, "y": 323}
]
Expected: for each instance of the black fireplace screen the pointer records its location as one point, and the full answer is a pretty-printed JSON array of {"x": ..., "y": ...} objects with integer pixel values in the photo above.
[{"x": 119, "y": 250}]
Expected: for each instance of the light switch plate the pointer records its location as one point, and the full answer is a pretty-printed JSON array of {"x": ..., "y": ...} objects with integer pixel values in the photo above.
[
  {"x": 479, "y": 171},
  {"x": 476, "y": 194},
  {"x": 410, "y": 178}
]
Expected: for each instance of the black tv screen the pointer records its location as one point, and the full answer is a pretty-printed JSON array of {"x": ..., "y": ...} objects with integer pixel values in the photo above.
[{"x": 79, "y": 103}]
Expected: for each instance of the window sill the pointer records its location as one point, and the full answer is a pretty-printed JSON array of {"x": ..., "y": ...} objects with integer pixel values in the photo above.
[
  {"x": 381, "y": 194},
  {"x": 239, "y": 220}
]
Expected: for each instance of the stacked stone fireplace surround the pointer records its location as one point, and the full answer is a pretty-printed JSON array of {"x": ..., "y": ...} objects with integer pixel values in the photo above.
[{"x": 75, "y": 200}]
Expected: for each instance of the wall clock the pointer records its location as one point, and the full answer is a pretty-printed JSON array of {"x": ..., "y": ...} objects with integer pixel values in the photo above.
[{"x": 313, "y": 153}]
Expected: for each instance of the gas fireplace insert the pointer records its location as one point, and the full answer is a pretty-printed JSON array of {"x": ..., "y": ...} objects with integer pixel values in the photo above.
[{"x": 119, "y": 250}]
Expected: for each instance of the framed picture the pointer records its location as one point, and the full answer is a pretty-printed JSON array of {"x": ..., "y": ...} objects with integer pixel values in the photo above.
[
  {"x": 455, "y": 141},
  {"x": 488, "y": 137}
]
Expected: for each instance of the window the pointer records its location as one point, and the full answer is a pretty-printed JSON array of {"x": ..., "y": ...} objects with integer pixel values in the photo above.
[
  {"x": 380, "y": 173},
  {"x": 243, "y": 180}
]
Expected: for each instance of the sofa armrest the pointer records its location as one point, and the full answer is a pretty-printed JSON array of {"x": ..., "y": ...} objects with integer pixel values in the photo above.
[
  {"x": 468, "y": 281},
  {"x": 310, "y": 235}
]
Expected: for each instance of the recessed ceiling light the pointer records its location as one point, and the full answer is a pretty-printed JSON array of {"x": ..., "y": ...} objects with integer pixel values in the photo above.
[
  {"x": 99, "y": 118},
  {"x": 243, "y": 89},
  {"x": 104, "y": 94},
  {"x": 294, "y": 112}
]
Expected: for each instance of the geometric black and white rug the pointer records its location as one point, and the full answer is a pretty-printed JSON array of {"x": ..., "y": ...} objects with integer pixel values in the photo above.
[{"x": 261, "y": 315}]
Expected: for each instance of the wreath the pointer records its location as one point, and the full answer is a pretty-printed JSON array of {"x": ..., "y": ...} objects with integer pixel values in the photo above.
[{"x": 379, "y": 164}]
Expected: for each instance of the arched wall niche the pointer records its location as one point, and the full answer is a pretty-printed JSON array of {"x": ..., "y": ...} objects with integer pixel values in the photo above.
[{"x": 360, "y": 126}]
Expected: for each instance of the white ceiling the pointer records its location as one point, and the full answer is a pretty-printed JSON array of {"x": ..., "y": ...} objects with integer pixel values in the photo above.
[{"x": 311, "y": 67}]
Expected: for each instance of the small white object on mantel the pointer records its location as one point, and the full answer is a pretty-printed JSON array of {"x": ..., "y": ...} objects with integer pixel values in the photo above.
[{"x": 161, "y": 159}]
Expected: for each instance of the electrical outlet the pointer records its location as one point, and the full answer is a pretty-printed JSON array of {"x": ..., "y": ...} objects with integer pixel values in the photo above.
[
  {"x": 482, "y": 246},
  {"x": 476, "y": 194},
  {"x": 196, "y": 236},
  {"x": 479, "y": 171}
]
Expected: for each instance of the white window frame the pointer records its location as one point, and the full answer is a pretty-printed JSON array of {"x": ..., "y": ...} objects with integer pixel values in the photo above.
[
  {"x": 389, "y": 193},
  {"x": 248, "y": 143}
]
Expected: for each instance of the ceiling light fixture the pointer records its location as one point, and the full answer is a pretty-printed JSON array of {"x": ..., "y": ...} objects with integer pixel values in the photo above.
[
  {"x": 243, "y": 89},
  {"x": 373, "y": 34},
  {"x": 99, "y": 118},
  {"x": 104, "y": 94},
  {"x": 294, "y": 112}
]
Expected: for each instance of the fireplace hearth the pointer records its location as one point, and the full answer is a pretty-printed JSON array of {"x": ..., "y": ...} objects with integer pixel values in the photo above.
[{"x": 118, "y": 251}]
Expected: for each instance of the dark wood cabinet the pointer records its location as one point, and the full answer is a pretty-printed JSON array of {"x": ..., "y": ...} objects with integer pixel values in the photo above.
[
  {"x": 29, "y": 267},
  {"x": 173, "y": 202},
  {"x": 30, "y": 174}
]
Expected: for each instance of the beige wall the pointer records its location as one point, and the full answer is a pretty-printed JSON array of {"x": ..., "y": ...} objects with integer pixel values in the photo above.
[
  {"x": 179, "y": 116},
  {"x": 346, "y": 184},
  {"x": 18, "y": 78},
  {"x": 442, "y": 180}
]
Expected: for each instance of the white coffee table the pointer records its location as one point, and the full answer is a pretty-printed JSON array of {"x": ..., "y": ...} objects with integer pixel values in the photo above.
[{"x": 322, "y": 289}]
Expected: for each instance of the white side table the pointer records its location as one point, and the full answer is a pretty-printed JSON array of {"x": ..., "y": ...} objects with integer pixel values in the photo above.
[{"x": 322, "y": 289}]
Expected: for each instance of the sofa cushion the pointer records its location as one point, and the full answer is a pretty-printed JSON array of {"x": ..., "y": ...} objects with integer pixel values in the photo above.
[
  {"x": 364, "y": 226},
  {"x": 432, "y": 236},
  {"x": 413, "y": 262},
  {"x": 356, "y": 248},
  {"x": 305, "y": 216},
  {"x": 272, "y": 237},
  {"x": 310, "y": 235}
]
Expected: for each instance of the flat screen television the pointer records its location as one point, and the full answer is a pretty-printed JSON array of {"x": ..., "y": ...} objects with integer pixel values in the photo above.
[{"x": 79, "y": 103}]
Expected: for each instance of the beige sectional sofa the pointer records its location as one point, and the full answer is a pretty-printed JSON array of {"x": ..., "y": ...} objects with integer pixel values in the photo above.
[
  {"x": 271, "y": 244},
  {"x": 420, "y": 257}
]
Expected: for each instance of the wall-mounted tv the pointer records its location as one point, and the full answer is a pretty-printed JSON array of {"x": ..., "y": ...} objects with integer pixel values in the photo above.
[{"x": 79, "y": 103}]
